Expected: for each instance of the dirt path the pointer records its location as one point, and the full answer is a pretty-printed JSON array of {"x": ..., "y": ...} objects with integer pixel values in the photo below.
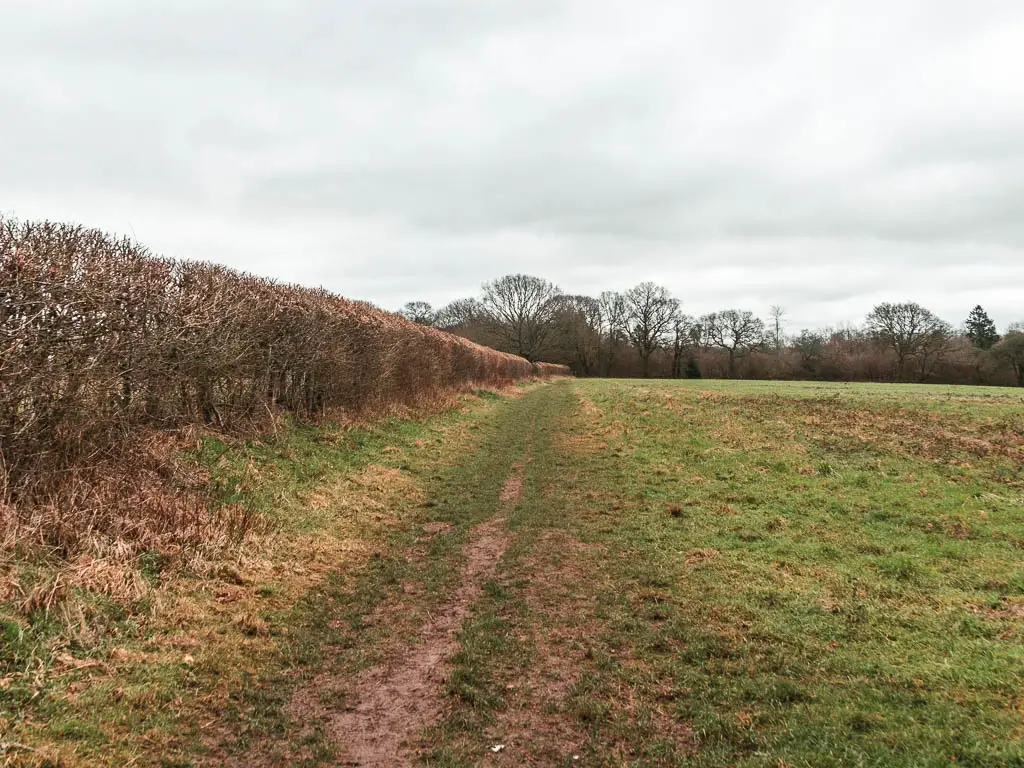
[
  {"x": 420, "y": 596},
  {"x": 397, "y": 700}
]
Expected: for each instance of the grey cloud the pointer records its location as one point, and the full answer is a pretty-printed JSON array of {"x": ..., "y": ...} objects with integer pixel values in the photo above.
[
  {"x": 815, "y": 154},
  {"x": 312, "y": 40}
]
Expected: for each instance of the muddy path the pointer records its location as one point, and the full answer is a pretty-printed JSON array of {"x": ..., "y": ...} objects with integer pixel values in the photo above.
[
  {"x": 392, "y": 703},
  {"x": 382, "y": 680},
  {"x": 385, "y": 709}
]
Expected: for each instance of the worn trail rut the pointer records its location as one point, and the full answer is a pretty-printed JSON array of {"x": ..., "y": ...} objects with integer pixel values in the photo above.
[
  {"x": 397, "y": 700},
  {"x": 393, "y": 703}
]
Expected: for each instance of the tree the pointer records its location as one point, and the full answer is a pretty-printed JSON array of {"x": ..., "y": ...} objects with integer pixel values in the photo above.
[
  {"x": 419, "y": 312},
  {"x": 1011, "y": 351},
  {"x": 933, "y": 348},
  {"x": 980, "y": 329},
  {"x": 735, "y": 331},
  {"x": 682, "y": 347},
  {"x": 810, "y": 346},
  {"x": 699, "y": 334},
  {"x": 521, "y": 308},
  {"x": 614, "y": 323},
  {"x": 778, "y": 325},
  {"x": 459, "y": 314},
  {"x": 650, "y": 312},
  {"x": 909, "y": 330},
  {"x": 578, "y": 328}
]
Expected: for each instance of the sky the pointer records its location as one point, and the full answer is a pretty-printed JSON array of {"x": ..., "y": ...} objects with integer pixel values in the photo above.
[{"x": 821, "y": 155}]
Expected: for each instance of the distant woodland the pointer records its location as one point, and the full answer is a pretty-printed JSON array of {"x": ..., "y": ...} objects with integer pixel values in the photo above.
[{"x": 644, "y": 332}]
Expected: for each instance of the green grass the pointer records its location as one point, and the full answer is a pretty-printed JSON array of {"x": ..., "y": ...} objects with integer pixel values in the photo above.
[
  {"x": 845, "y": 389},
  {"x": 767, "y": 590}
]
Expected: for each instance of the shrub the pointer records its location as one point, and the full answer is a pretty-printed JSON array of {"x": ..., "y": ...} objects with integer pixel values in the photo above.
[{"x": 101, "y": 341}]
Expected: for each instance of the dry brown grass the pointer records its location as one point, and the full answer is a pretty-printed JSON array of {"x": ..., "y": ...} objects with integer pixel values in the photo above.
[
  {"x": 90, "y": 532},
  {"x": 920, "y": 433},
  {"x": 217, "y": 623},
  {"x": 594, "y": 437}
]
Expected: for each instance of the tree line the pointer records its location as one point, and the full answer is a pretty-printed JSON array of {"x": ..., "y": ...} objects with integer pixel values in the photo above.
[{"x": 644, "y": 332}]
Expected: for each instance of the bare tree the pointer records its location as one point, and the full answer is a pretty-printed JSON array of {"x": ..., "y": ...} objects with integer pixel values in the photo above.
[
  {"x": 735, "y": 331},
  {"x": 809, "y": 347},
  {"x": 651, "y": 312},
  {"x": 933, "y": 348},
  {"x": 1011, "y": 351},
  {"x": 578, "y": 327},
  {"x": 699, "y": 334},
  {"x": 683, "y": 338},
  {"x": 521, "y": 308},
  {"x": 777, "y": 314},
  {"x": 419, "y": 312},
  {"x": 614, "y": 322},
  {"x": 909, "y": 330},
  {"x": 458, "y": 314}
]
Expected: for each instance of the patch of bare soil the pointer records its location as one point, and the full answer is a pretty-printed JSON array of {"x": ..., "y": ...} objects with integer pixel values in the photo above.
[
  {"x": 390, "y": 705},
  {"x": 512, "y": 492},
  {"x": 537, "y": 727}
]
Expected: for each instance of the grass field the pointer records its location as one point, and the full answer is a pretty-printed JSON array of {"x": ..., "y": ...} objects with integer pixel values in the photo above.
[{"x": 688, "y": 573}]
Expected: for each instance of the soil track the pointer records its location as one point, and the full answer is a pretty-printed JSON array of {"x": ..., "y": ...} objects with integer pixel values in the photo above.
[
  {"x": 397, "y": 700},
  {"x": 394, "y": 702}
]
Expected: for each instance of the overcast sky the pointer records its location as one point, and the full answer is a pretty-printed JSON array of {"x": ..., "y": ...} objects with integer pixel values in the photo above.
[{"x": 822, "y": 155}]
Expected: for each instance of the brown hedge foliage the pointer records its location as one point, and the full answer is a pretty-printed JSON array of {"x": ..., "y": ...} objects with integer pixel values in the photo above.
[
  {"x": 99, "y": 339},
  {"x": 550, "y": 369}
]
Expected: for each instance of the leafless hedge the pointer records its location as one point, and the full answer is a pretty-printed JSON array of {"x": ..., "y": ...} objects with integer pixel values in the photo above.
[{"x": 99, "y": 338}]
